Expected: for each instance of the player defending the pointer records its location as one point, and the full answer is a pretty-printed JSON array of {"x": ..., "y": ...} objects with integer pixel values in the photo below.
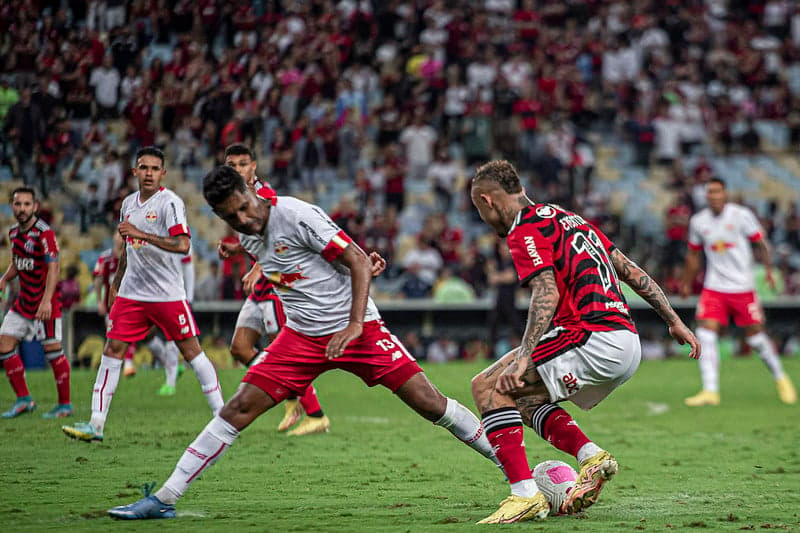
[
  {"x": 36, "y": 312},
  {"x": 262, "y": 313},
  {"x": 573, "y": 271},
  {"x": 726, "y": 233},
  {"x": 149, "y": 290},
  {"x": 322, "y": 278}
]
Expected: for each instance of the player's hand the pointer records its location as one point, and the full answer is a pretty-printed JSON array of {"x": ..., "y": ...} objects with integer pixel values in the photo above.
[
  {"x": 770, "y": 280},
  {"x": 683, "y": 335},
  {"x": 250, "y": 279},
  {"x": 126, "y": 229},
  {"x": 340, "y": 340},
  {"x": 44, "y": 311},
  {"x": 510, "y": 380},
  {"x": 228, "y": 249},
  {"x": 378, "y": 264}
]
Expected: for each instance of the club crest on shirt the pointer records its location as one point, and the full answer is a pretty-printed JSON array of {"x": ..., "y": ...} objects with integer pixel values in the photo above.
[
  {"x": 545, "y": 211},
  {"x": 280, "y": 248},
  {"x": 151, "y": 216},
  {"x": 29, "y": 246}
]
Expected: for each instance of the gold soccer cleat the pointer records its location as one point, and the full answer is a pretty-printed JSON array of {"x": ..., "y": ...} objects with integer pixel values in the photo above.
[
  {"x": 293, "y": 413},
  {"x": 595, "y": 471},
  {"x": 519, "y": 509},
  {"x": 311, "y": 425},
  {"x": 704, "y": 397},
  {"x": 786, "y": 390}
]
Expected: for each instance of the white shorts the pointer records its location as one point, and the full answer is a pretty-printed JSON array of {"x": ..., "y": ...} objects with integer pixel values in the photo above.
[
  {"x": 586, "y": 373},
  {"x": 28, "y": 329},
  {"x": 261, "y": 317}
]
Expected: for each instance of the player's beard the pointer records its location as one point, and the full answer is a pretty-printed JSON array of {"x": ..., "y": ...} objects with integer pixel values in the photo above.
[{"x": 23, "y": 218}]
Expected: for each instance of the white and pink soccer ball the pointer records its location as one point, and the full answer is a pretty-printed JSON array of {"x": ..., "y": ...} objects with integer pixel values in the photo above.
[{"x": 555, "y": 479}]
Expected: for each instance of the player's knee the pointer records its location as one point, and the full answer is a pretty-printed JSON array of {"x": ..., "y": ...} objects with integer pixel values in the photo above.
[{"x": 235, "y": 407}]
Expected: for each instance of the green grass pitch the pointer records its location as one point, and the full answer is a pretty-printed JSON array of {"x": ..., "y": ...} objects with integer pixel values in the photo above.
[{"x": 382, "y": 468}]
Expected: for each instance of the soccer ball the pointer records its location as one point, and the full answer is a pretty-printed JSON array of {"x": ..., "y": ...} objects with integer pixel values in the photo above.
[{"x": 555, "y": 479}]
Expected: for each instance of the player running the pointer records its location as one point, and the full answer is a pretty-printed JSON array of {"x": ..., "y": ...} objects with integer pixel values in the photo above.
[
  {"x": 36, "y": 312},
  {"x": 149, "y": 290},
  {"x": 726, "y": 233},
  {"x": 579, "y": 344},
  {"x": 322, "y": 278},
  {"x": 262, "y": 313}
]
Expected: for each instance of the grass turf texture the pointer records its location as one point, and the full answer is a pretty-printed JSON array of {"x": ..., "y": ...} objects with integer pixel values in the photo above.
[{"x": 382, "y": 468}]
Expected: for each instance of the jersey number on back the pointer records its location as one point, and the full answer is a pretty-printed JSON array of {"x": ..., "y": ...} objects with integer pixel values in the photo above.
[{"x": 593, "y": 246}]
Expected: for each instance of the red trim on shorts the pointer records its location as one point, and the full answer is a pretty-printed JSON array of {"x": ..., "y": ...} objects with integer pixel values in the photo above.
[
  {"x": 179, "y": 229},
  {"x": 336, "y": 246},
  {"x": 695, "y": 247},
  {"x": 396, "y": 379},
  {"x": 275, "y": 390},
  {"x": 757, "y": 236}
]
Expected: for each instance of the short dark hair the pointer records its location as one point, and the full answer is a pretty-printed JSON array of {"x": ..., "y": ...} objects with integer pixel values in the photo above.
[
  {"x": 239, "y": 149},
  {"x": 221, "y": 183},
  {"x": 150, "y": 150},
  {"x": 718, "y": 180},
  {"x": 501, "y": 172},
  {"x": 22, "y": 190}
]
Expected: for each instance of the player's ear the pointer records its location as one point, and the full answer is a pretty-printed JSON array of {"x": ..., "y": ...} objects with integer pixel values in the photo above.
[{"x": 487, "y": 199}]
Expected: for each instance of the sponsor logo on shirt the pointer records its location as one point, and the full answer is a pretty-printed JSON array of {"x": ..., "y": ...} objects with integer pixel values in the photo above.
[
  {"x": 533, "y": 253},
  {"x": 23, "y": 263},
  {"x": 151, "y": 216},
  {"x": 313, "y": 233},
  {"x": 721, "y": 246},
  {"x": 281, "y": 248},
  {"x": 286, "y": 279},
  {"x": 545, "y": 211},
  {"x": 571, "y": 383}
]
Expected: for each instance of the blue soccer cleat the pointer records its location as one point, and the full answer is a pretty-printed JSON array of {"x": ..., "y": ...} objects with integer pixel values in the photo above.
[
  {"x": 61, "y": 410},
  {"x": 25, "y": 404},
  {"x": 84, "y": 431},
  {"x": 145, "y": 509}
]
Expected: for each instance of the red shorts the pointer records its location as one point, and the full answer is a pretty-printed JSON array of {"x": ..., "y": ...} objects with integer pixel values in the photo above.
[
  {"x": 130, "y": 320},
  {"x": 293, "y": 360},
  {"x": 719, "y": 306}
]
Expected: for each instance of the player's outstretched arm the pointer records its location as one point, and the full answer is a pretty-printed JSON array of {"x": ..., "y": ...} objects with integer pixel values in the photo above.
[
  {"x": 250, "y": 279},
  {"x": 643, "y": 284},
  {"x": 690, "y": 271}
]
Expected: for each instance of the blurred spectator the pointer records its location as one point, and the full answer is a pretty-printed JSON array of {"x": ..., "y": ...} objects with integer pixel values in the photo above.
[
  {"x": 414, "y": 345},
  {"x": 424, "y": 260},
  {"x": 444, "y": 173},
  {"x": 106, "y": 81},
  {"x": 25, "y": 126},
  {"x": 69, "y": 288},
  {"x": 418, "y": 139},
  {"x": 452, "y": 289},
  {"x": 442, "y": 350},
  {"x": 677, "y": 230},
  {"x": 502, "y": 277},
  {"x": 92, "y": 207},
  {"x": 209, "y": 286}
]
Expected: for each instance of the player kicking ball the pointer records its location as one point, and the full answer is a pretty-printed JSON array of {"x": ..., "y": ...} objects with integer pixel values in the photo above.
[
  {"x": 579, "y": 344},
  {"x": 323, "y": 280}
]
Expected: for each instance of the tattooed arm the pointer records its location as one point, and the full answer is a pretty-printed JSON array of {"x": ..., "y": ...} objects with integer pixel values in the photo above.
[
  {"x": 178, "y": 244},
  {"x": 643, "y": 284},
  {"x": 544, "y": 301}
]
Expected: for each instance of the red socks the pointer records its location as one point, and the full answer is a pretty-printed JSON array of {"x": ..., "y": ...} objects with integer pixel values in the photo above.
[
  {"x": 16, "y": 375},
  {"x": 504, "y": 430},
  {"x": 61, "y": 370}
]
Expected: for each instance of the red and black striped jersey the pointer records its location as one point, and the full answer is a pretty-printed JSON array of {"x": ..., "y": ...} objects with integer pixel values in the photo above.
[
  {"x": 545, "y": 236},
  {"x": 263, "y": 290},
  {"x": 106, "y": 268},
  {"x": 32, "y": 251}
]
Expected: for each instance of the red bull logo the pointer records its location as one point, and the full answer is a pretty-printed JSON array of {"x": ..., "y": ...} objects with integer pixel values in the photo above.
[
  {"x": 151, "y": 216},
  {"x": 286, "y": 280},
  {"x": 721, "y": 246},
  {"x": 281, "y": 248}
]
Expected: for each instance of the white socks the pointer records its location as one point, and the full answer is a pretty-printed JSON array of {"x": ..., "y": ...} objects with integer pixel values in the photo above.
[
  {"x": 590, "y": 449},
  {"x": 206, "y": 449},
  {"x": 527, "y": 488},
  {"x": 171, "y": 355},
  {"x": 207, "y": 376},
  {"x": 462, "y": 423},
  {"x": 104, "y": 387},
  {"x": 156, "y": 346},
  {"x": 766, "y": 350},
  {"x": 709, "y": 359}
]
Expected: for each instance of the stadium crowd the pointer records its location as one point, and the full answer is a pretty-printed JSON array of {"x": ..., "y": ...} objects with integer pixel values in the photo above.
[{"x": 394, "y": 103}]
